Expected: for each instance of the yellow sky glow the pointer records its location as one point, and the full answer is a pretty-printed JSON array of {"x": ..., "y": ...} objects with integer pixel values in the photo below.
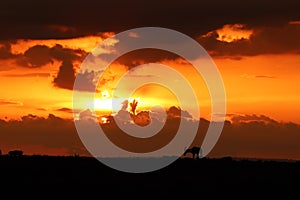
[{"x": 263, "y": 84}]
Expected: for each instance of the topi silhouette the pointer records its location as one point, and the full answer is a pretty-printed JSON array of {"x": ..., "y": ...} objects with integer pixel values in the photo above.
[{"x": 195, "y": 151}]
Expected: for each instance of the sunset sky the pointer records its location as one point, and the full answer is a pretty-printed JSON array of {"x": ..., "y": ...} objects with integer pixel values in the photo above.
[{"x": 254, "y": 44}]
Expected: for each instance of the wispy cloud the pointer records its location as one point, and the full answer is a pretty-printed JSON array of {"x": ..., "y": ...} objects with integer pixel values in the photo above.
[
  {"x": 10, "y": 102},
  {"x": 68, "y": 110},
  {"x": 41, "y": 74},
  {"x": 295, "y": 22},
  {"x": 253, "y": 76},
  {"x": 264, "y": 76}
]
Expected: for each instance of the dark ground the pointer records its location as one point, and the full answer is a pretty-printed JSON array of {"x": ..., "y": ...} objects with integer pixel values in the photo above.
[{"x": 87, "y": 177}]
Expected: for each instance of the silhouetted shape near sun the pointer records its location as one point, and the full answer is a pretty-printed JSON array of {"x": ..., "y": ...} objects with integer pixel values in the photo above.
[{"x": 133, "y": 106}]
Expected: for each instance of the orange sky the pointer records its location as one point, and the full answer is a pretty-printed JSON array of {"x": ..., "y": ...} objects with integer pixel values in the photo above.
[
  {"x": 260, "y": 72},
  {"x": 259, "y": 84}
]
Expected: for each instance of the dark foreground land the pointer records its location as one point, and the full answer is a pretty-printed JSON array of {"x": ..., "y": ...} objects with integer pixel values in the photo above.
[{"x": 73, "y": 176}]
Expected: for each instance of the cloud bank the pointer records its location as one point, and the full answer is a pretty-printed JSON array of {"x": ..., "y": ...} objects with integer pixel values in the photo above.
[{"x": 255, "y": 136}]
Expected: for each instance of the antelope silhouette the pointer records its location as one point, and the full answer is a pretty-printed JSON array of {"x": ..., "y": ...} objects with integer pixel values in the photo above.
[{"x": 194, "y": 150}]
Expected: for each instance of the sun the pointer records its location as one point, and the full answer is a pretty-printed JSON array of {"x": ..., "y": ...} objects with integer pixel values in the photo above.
[
  {"x": 105, "y": 94},
  {"x": 103, "y": 104}
]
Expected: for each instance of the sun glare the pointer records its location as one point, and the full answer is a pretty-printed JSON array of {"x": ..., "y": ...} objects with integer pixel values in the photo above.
[
  {"x": 104, "y": 120},
  {"x": 103, "y": 104},
  {"x": 105, "y": 94}
]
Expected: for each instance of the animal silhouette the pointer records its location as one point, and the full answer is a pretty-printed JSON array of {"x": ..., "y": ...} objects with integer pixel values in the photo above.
[
  {"x": 15, "y": 153},
  {"x": 194, "y": 151}
]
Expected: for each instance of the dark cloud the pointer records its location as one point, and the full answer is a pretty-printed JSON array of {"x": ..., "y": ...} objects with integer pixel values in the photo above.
[
  {"x": 264, "y": 40},
  {"x": 68, "y": 110},
  {"x": 144, "y": 56},
  {"x": 58, "y": 52},
  {"x": 66, "y": 76},
  {"x": 86, "y": 82},
  {"x": 176, "y": 112},
  {"x": 247, "y": 136},
  {"x": 40, "y": 55},
  {"x": 73, "y": 18},
  {"x": 5, "y": 50},
  {"x": 256, "y": 136},
  {"x": 140, "y": 145},
  {"x": 251, "y": 118},
  {"x": 87, "y": 115},
  {"x": 35, "y": 56},
  {"x": 259, "y": 137},
  {"x": 50, "y": 133}
]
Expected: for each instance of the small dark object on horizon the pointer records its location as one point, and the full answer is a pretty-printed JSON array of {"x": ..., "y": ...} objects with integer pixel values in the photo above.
[
  {"x": 196, "y": 151},
  {"x": 15, "y": 153}
]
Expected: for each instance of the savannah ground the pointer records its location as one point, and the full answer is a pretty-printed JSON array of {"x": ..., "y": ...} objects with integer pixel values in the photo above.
[{"x": 73, "y": 176}]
